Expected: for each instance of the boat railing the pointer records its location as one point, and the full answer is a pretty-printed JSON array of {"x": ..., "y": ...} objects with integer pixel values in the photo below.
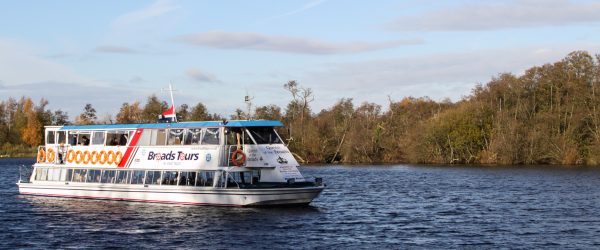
[
  {"x": 55, "y": 154},
  {"x": 230, "y": 151},
  {"x": 25, "y": 172}
]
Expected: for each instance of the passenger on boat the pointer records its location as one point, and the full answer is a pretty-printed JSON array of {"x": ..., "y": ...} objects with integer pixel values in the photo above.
[
  {"x": 85, "y": 141},
  {"x": 123, "y": 140},
  {"x": 113, "y": 142}
]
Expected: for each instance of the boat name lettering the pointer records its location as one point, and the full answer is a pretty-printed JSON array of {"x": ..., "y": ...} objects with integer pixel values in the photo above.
[{"x": 179, "y": 155}]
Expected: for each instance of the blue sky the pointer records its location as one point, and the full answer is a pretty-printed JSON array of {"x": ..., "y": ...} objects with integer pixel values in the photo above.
[{"x": 110, "y": 52}]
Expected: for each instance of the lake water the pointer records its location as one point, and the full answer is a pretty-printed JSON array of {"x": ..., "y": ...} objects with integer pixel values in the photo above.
[{"x": 401, "y": 206}]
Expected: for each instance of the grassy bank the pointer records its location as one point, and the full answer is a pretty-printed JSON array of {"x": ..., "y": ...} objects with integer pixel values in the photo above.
[{"x": 9, "y": 150}]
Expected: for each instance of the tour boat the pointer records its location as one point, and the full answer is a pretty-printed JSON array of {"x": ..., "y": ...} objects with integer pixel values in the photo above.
[{"x": 226, "y": 163}]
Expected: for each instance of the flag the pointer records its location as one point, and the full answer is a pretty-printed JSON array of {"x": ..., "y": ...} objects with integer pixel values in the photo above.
[{"x": 170, "y": 112}]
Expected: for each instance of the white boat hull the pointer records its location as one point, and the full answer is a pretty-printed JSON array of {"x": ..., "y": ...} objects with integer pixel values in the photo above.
[{"x": 175, "y": 194}]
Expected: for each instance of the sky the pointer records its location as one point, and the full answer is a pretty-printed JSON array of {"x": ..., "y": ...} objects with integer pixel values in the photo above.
[{"x": 110, "y": 52}]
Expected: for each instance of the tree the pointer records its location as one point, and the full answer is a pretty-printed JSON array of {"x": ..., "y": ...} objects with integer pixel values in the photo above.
[
  {"x": 60, "y": 118},
  {"x": 31, "y": 134},
  {"x": 200, "y": 113},
  {"x": 153, "y": 108},
  {"x": 88, "y": 116},
  {"x": 269, "y": 112},
  {"x": 183, "y": 113},
  {"x": 129, "y": 113}
]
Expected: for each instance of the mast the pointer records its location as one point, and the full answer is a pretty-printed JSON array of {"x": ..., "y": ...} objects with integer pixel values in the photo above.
[{"x": 171, "y": 90}]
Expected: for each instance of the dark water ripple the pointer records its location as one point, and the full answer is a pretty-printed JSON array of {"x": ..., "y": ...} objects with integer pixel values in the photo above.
[{"x": 363, "y": 207}]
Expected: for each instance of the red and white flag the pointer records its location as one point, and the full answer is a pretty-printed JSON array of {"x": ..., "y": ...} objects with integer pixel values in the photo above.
[{"x": 170, "y": 112}]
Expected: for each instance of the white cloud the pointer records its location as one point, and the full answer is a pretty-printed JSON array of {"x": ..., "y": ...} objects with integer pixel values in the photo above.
[
  {"x": 115, "y": 49},
  {"x": 201, "y": 76},
  {"x": 491, "y": 15},
  {"x": 20, "y": 64},
  {"x": 256, "y": 41},
  {"x": 156, "y": 9},
  {"x": 304, "y": 8}
]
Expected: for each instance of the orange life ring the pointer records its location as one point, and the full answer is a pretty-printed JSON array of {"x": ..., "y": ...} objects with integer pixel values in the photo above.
[
  {"x": 70, "y": 156},
  {"x": 78, "y": 157},
  {"x": 86, "y": 160},
  {"x": 238, "y": 158},
  {"x": 102, "y": 157},
  {"x": 41, "y": 156},
  {"x": 110, "y": 157},
  {"x": 50, "y": 154},
  {"x": 94, "y": 158},
  {"x": 118, "y": 157}
]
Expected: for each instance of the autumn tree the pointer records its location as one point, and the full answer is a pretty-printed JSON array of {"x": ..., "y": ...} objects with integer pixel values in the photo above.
[
  {"x": 130, "y": 113},
  {"x": 31, "y": 134}
]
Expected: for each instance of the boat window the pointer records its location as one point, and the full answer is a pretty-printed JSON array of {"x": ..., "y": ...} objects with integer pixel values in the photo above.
[
  {"x": 122, "y": 177},
  {"x": 72, "y": 138},
  {"x": 137, "y": 177},
  {"x": 192, "y": 136},
  {"x": 187, "y": 178},
  {"x": 62, "y": 137},
  {"x": 211, "y": 136},
  {"x": 264, "y": 135},
  {"x": 93, "y": 175},
  {"x": 108, "y": 176},
  {"x": 232, "y": 136},
  {"x": 98, "y": 138},
  {"x": 153, "y": 177},
  {"x": 44, "y": 174},
  {"x": 175, "y": 137},
  {"x": 38, "y": 174},
  {"x": 205, "y": 178},
  {"x": 83, "y": 139},
  {"x": 145, "y": 138},
  {"x": 239, "y": 178},
  {"x": 54, "y": 174},
  {"x": 169, "y": 178},
  {"x": 161, "y": 135},
  {"x": 69, "y": 175},
  {"x": 50, "y": 137},
  {"x": 117, "y": 138},
  {"x": 79, "y": 175}
]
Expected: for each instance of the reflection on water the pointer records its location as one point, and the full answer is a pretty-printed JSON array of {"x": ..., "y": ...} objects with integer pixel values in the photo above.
[{"x": 387, "y": 207}]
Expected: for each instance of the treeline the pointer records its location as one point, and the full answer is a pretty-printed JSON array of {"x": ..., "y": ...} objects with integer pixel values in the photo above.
[{"x": 548, "y": 115}]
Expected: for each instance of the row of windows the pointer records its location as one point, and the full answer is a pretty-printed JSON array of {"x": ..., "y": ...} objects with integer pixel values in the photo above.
[
  {"x": 147, "y": 177},
  {"x": 85, "y": 138},
  {"x": 160, "y": 137}
]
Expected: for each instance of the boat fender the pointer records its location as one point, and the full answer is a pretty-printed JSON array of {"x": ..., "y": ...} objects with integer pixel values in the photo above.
[
  {"x": 86, "y": 157},
  {"x": 102, "y": 157},
  {"x": 238, "y": 158},
  {"x": 70, "y": 156},
  {"x": 78, "y": 157},
  {"x": 50, "y": 155},
  {"x": 94, "y": 157},
  {"x": 118, "y": 157},
  {"x": 110, "y": 157},
  {"x": 41, "y": 156}
]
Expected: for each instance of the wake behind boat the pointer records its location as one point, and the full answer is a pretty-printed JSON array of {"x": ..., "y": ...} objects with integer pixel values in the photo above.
[{"x": 228, "y": 163}]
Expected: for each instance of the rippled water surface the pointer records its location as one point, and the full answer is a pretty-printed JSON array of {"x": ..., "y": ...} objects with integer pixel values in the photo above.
[{"x": 363, "y": 207}]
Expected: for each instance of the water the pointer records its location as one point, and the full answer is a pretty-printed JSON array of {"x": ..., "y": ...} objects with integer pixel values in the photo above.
[{"x": 364, "y": 207}]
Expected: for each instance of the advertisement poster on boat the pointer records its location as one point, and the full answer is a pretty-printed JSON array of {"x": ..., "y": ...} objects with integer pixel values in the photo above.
[
  {"x": 176, "y": 157},
  {"x": 274, "y": 155}
]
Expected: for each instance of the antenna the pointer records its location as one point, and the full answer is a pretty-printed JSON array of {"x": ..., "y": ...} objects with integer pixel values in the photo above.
[
  {"x": 171, "y": 90},
  {"x": 248, "y": 100}
]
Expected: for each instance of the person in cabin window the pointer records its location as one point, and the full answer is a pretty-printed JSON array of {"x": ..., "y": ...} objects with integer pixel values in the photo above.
[
  {"x": 85, "y": 141},
  {"x": 123, "y": 140},
  {"x": 113, "y": 142}
]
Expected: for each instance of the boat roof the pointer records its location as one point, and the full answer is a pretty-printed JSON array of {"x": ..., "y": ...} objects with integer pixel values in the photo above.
[{"x": 234, "y": 123}]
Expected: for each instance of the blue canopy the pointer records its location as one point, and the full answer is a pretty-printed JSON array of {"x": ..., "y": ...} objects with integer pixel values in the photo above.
[{"x": 235, "y": 123}]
